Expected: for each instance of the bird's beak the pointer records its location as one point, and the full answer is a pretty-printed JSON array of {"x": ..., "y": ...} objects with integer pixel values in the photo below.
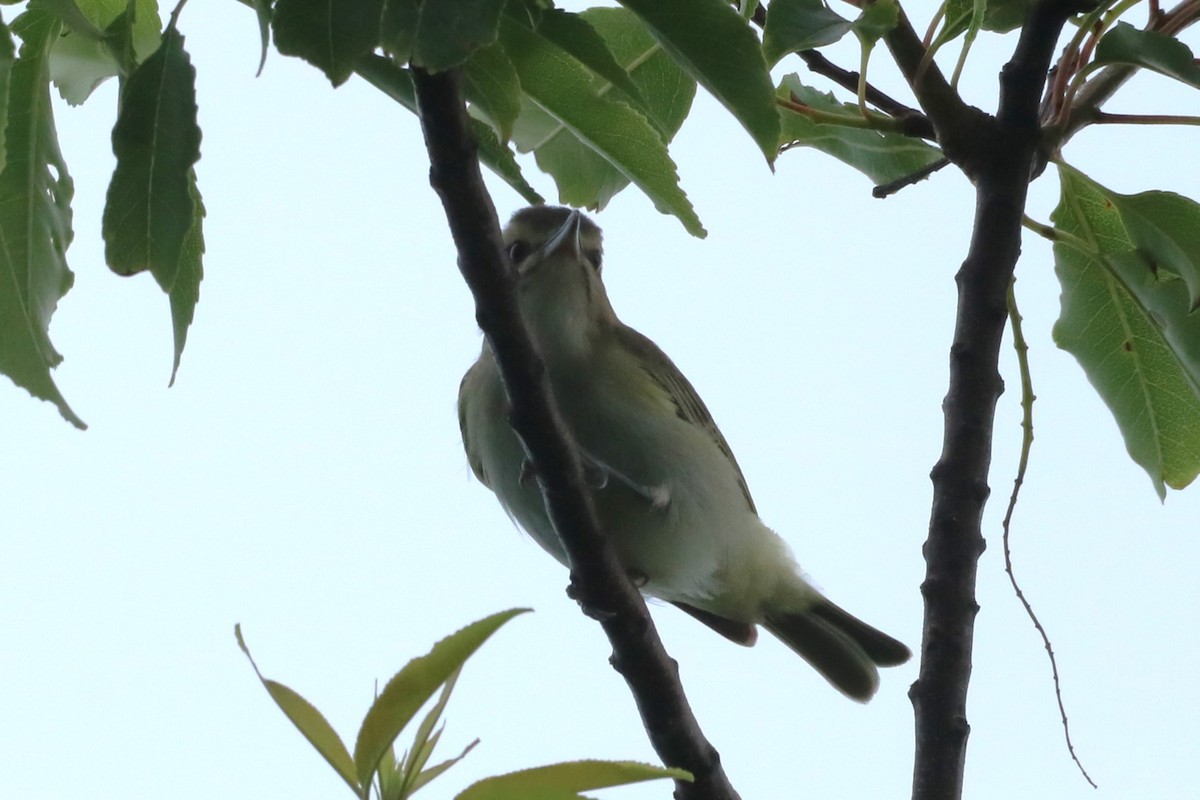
[{"x": 566, "y": 238}]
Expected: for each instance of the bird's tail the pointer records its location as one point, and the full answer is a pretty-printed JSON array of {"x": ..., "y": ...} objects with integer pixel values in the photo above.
[{"x": 843, "y": 648}]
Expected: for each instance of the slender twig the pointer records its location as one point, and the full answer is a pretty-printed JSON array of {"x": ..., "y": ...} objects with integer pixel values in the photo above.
[
  {"x": 1104, "y": 118},
  {"x": 1027, "y": 399},
  {"x": 598, "y": 581},
  {"x": 884, "y": 190}
]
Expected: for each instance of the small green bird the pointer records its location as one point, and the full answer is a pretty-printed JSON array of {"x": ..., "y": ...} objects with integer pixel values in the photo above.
[{"x": 665, "y": 484}]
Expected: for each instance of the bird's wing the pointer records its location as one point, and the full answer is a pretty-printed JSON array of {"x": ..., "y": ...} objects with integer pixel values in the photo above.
[
  {"x": 688, "y": 405},
  {"x": 473, "y": 457}
]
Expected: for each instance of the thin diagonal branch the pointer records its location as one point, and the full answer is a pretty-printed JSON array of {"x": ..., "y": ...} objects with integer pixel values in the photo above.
[{"x": 598, "y": 581}]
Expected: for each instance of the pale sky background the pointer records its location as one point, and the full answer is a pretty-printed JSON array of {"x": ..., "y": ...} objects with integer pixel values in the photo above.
[{"x": 305, "y": 478}]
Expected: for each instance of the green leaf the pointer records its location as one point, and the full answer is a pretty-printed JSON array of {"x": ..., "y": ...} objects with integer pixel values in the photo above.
[
  {"x": 795, "y": 25},
  {"x": 308, "y": 720},
  {"x": 437, "y": 769},
  {"x": 262, "y": 10},
  {"x": 881, "y": 156},
  {"x": 399, "y": 28},
  {"x": 493, "y": 88},
  {"x": 877, "y": 20},
  {"x": 185, "y": 293},
  {"x": 35, "y": 218},
  {"x": 1165, "y": 229},
  {"x": 1132, "y": 330},
  {"x": 717, "y": 47},
  {"x": 79, "y": 61},
  {"x": 332, "y": 35},
  {"x": 999, "y": 16},
  {"x": 396, "y": 83},
  {"x": 574, "y": 34},
  {"x": 451, "y": 30},
  {"x": 557, "y": 85},
  {"x": 8, "y": 57},
  {"x": 585, "y": 178},
  {"x": 1125, "y": 44},
  {"x": 565, "y": 781},
  {"x": 408, "y": 690},
  {"x": 425, "y": 739},
  {"x": 156, "y": 140}
]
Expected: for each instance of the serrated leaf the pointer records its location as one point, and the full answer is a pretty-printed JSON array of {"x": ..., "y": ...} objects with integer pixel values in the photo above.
[
  {"x": 567, "y": 780},
  {"x": 149, "y": 209},
  {"x": 396, "y": 83},
  {"x": 574, "y": 34},
  {"x": 308, "y": 720},
  {"x": 795, "y": 25},
  {"x": 554, "y": 81},
  {"x": 717, "y": 47},
  {"x": 1125, "y": 44},
  {"x": 437, "y": 769},
  {"x": 185, "y": 293},
  {"x": 1131, "y": 329},
  {"x": 584, "y": 178},
  {"x": 35, "y": 218},
  {"x": 451, "y": 30},
  {"x": 881, "y": 156},
  {"x": 492, "y": 87},
  {"x": 79, "y": 62},
  {"x": 408, "y": 690},
  {"x": 332, "y": 35}
]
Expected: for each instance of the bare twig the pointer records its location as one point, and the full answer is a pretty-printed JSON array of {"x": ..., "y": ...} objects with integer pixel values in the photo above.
[
  {"x": 597, "y": 580},
  {"x": 1027, "y": 398}
]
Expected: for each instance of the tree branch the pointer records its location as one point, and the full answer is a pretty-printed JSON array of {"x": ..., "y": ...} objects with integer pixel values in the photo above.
[
  {"x": 1000, "y": 162},
  {"x": 598, "y": 581}
]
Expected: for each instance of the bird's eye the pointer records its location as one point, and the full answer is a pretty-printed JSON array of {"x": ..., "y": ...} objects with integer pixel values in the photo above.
[
  {"x": 518, "y": 251},
  {"x": 593, "y": 258}
]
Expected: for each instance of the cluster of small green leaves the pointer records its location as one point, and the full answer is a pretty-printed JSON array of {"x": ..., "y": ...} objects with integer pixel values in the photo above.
[
  {"x": 153, "y": 214},
  {"x": 374, "y": 768}
]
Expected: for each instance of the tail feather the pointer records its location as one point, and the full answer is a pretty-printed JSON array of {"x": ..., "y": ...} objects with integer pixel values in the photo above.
[{"x": 845, "y": 650}]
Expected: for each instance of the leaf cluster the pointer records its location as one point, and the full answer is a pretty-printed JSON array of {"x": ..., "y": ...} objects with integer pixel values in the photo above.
[{"x": 374, "y": 769}]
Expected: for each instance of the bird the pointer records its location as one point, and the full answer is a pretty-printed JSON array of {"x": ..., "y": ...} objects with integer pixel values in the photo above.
[{"x": 668, "y": 492}]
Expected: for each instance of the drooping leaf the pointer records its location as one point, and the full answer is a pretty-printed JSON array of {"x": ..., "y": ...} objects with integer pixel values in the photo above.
[
  {"x": 396, "y": 83},
  {"x": 79, "y": 61},
  {"x": 309, "y": 721},
  {"x": 584, "y": 177},
  {"x": 717, "y": 47},
  {"x": 262, "y": 11},
  {"x": 881, "y": 156},
  {"x": 408, "y": 690},
  {"x": 451, "y": 30},
  {"x": 553, "y": 81},
  {"x": 1132, "y": 330},
  {"x": 492, "y": 87},
  {"x": 35, "y": 218},
  {"x": 150, "y": 208},
  {"x": 1125, "y": 44},
  {"x": 795, "y": 25},
  {"x": 332, "y": 35},
  {"x": 185, "y": 293},
  {"x": 573, "y": 33},
  {"x": 565, "y": 781}
]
